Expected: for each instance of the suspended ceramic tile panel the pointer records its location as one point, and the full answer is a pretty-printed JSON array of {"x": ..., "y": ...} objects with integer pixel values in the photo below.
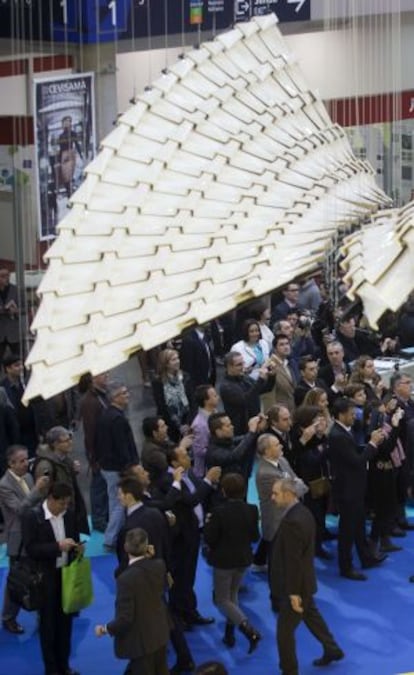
[
  {"x": 224, "y": 181},
  {"x": 379, "y": 260}
]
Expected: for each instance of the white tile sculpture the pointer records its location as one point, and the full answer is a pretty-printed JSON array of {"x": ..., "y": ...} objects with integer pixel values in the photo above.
[{"x": 225, "y": 180}]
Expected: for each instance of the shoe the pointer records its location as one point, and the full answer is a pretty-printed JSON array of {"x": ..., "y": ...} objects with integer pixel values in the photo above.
[
  {"x": 198, "y": 620},
  {"x": 354, "y": 575},
  {"x": 398, "y": 532},
  {"x": 187, "y": 667},
  {"x": 405, "y": 525},
  {"x": 258, "y": 569},
  {"x": 251, "y": 634},
  {"x": 323, "y": 554},
  {"x": 328, "y": 657},
  {"x": 387, "y": 546},
  {"x": 329, "y": 536},
  {"x": 374, "y": 561},
  {"x": 229, "y": 638},
  {"x": 12, "y": 626}
]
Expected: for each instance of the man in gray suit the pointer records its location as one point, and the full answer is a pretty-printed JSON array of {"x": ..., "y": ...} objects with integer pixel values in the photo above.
[
  {"x": 271, "y": 466},
  {"x": 141, "y": 626},
  {"x": 17, "y": 493}
]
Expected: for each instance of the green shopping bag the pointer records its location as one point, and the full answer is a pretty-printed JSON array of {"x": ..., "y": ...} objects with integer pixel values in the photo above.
[{"x": 77, "y": 591}]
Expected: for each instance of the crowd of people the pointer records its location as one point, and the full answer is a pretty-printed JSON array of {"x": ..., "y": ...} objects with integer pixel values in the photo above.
[{"x": 285, "y": 394}]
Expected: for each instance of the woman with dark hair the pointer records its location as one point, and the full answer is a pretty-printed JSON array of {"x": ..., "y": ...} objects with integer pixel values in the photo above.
[
  {"x": 252, "y": 347},
  {"x": 261, "y": 312},
  {"x": 173, "y": 394},
  {"x": 310, "y": 445},
  {"x": 229, "y": 532}
]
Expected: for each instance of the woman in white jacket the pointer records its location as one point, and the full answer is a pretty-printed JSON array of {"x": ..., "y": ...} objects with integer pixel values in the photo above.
[{"x": 254, "y": 350}]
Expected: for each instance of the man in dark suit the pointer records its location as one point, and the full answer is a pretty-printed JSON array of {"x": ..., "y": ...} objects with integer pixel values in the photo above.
[
  {"x": 197, "y": 357},
  {"x": 349, "y": 470},
  {"x": 17, "y": 493},
  {"x": 308, "y": 368},
  {"x": 189, "y": 513},
  {"x": 13, "y": 384},
  {"x": 9, "y": 314},
  {"x": 293, "y": 580},
  {"x": 335, "y": 373},
  {"x": 140, "y": 627},
  {"x": 130, "y": 494},
  {"x": 233, "y": 454},
  {"x": 240, "y": 393},
  {"x": 49, "y": 536},
  {"x": 116, "y": 450},
  {"x": 289, "y": 303},
  {"x": 279, "y": 422}
]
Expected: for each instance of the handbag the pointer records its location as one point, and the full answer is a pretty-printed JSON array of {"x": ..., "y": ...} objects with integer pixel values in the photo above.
[
  {"x": 26, "y": 584},
  {"x": 320, "y": 487},
  {"x": 77, "y": 590}
]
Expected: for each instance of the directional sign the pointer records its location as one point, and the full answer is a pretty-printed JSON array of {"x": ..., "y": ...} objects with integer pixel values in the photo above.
[
  {"x": 285, "y": 10},
  {"x": 93, "y": 21}
]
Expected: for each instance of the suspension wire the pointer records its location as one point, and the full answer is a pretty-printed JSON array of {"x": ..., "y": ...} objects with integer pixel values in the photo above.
[
  {"x": 149, "y": 41},
  {"x": 166, "y": 33}
]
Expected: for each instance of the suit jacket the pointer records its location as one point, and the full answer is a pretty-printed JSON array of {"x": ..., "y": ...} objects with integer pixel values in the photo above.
[
  {"x": 241, "y": 399},
  {"x": 155, "y": 525},
  {"x": 230, "y": 532},
  {"x": 266, "y": 474},
  {"x": 61, "y": 470},
  {"x": 9, "y": 324},
  {"x": 326, "y": 374},
  {"x": 303, "y": 387},
  {"x": 13, "y": 502},
  {"x": 187, "y": 523},
  {"x": 284, "y": 387},
  {"x": 197, "y": 359},
  {"x": 281, "y": 310},
  {"x": 39, "y": 539},
  {"x": 348, "y": 464},
  {"x": 115, "y": 444},
  {"x": 292, "y": 569},
  {"x": 9, "y": 433},
  {"x": 233, "y": 455},
  {"x": 92, "y": 404},
  {"x": 140, "y": 626}
]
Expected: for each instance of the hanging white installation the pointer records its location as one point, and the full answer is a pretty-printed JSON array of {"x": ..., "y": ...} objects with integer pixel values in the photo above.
[{"x": 223, "y": 182}]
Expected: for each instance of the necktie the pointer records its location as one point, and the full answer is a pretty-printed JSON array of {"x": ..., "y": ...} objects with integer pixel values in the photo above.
[{"x": 24, "y": 486}]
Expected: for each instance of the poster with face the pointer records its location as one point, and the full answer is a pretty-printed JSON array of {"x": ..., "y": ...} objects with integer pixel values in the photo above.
[{"x": 64, "y": 118}]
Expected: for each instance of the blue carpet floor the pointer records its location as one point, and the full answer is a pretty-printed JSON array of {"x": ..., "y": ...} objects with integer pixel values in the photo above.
[{"x": 373, "y": 622}]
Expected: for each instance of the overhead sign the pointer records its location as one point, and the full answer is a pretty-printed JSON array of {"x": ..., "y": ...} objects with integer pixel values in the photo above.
[
  {"x": 285, "y": 10},
  {"x": 93, "y": 21}
]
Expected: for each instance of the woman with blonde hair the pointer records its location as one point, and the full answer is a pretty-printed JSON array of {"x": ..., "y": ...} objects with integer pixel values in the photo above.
[
  {"x": 173, "y": 394},
  {"x": 364, "y": 371},
  {"x": 318, "y": 397}
]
